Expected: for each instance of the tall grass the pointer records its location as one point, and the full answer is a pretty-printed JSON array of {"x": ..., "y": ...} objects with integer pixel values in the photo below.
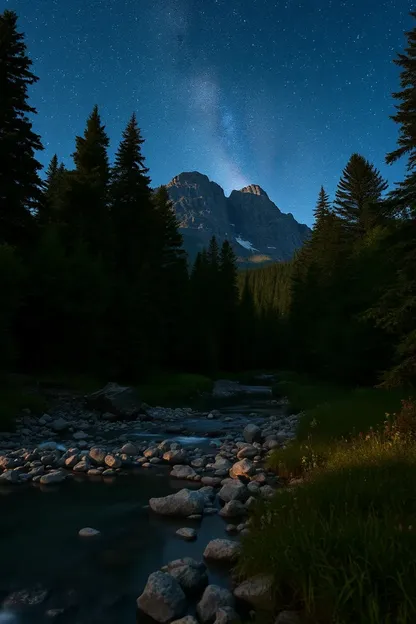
[{"x": 341, "y": 547}]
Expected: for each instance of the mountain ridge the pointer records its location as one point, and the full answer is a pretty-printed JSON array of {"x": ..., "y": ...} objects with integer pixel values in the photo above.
[{"x": 257, "y": 229}]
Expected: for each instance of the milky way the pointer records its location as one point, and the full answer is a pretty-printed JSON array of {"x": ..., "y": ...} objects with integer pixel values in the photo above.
[{"x": 278, "y": 94}]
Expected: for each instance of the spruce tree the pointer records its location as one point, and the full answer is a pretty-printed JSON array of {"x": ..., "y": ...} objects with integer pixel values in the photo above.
[
  {"x": 404, "y": 196},
  {"x": 358, "y": 195},
  {"x": 228, "y": 307},
  {"x": 87, "y": 214},
  {"x": 20, "y": 184},
  {"x": 137, "y": 253},
  {"x": 171, "y": 281},
  {"x": 51, "y": 208}
]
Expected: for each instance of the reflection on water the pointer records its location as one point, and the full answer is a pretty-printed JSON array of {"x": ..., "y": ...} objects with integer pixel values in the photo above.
[{"x": 94, "y": 580}]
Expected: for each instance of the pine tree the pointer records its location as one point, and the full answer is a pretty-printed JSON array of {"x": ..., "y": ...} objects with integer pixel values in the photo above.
[
  {"x": 20, "y": 184},
  {"x": 228, "y": 307},
  {"x": 133, "y": 214},
  {"x": 51, "y": 208},
  {"x": 404, "y": 196},
  {"x": 171, "y": 285},
  {"x": 137, "y": 253},
  {"x": 358, "y": 195},
  {"x": 87, "y": 214},
  {"x": 323, "y": 206}
]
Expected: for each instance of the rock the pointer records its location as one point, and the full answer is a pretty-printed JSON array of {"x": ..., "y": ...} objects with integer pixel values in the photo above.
[
  {"x": 186, "y": 533},
  {"x": 191, "y": 579},
  {"x": 71, "y": 461},
  {"x": 112, "y": 462},
  {"x": 60, "y": 425},
  {"x": 129, "y": 449},
  {"x": 183, "y": 472},
  {"x": 213, "y": 599},
  {"x": 243, "y": 468},
  {"x": 221, "y": 463},
  {"x": 226, "y": 615},
  {"x": 257, "y": 592},
  {"x": 233, "y": 509},
  {"x": 252, "y": 433},
  {"x": 80, "y": 435},
  {"x": 247, "y": 452},
  {"x": 82, "y": 466},
  {"x": 163, "y": 598},
  {"x": 233, "y": 491},
  {"x": 212, "y": 481},
  {"x": 25, "y": 598},
  {"x": 97, "y": 455},
  {"x": 94, "y": 472},
  {"x": 222, "y": 550},
  {"x": 188, "y": 619},
  {"x": 199, "y": 462},
  {"x": 250, "y": 503},
  {"x": 183, "y": 503},
  {"x": 288, "y": 617},
  {"x": 88, "y": 532},
  {"x": 9, "y": 476},
  {"x": 253, "y": 488},
  {"x": 56, "y": 476},
  {"x": 178, "y": 456},
  {"x": 122, "y": 401},
  {"x": 267, "y": 492}
]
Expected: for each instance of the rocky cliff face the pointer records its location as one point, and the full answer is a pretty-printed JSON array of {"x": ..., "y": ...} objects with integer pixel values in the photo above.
[{"x": 254, "y": 225}]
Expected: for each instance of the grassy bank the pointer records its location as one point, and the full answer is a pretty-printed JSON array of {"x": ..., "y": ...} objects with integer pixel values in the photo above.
[
  {"x": 173, "y": 389},
  {"x": 342, "y": 547}
]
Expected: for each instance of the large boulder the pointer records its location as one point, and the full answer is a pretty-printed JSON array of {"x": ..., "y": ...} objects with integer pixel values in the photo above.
[
  {"x": 222, "y": 550},
  {"x": 122, "y": 401},
  {"x": 183, "y": 472},
  {"x": 257, "y": 592},
  {"x": 252, "y": 433},
  {"x": 162, "y": 598},
  {"x": 176, "y": 456},
  {"x": 190, "y": 578},
  {"x": 213, "y": 598},
  {"x": 183, "y": 503},
  {"x": 233, "y": 490},
  {"x": 56, "y": 476},
  {"x": 97, "y": 455},
  {"x": 242, "y": 468}
]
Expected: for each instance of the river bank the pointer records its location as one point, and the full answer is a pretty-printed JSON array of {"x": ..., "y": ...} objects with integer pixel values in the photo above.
[{"x": 101, "y": 485}]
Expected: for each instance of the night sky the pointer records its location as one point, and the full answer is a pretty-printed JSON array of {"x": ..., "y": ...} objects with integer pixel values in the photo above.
[{"x": 278, "y": 94}]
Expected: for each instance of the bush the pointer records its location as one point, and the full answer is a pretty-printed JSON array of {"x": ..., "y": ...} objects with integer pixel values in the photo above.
[{"x": 173, "y": 389}]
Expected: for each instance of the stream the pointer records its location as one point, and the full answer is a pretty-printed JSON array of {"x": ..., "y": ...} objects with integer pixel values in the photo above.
[{"x": 69, "y": 579}]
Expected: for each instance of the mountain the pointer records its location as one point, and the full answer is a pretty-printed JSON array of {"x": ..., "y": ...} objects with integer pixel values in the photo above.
[{"x": 254, "y": 225}]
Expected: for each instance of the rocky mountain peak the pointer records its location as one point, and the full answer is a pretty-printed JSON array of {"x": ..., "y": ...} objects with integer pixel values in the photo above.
[{"x": 254, "y": 189}]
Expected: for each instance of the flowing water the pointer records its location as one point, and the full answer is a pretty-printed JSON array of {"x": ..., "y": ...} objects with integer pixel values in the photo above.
[{"x": 98, "y": 580}]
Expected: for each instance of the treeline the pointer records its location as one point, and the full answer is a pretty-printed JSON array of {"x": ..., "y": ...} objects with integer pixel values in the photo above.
[
  {"x": 93, "y": 274},
  {"x": 347, "y": 302}
]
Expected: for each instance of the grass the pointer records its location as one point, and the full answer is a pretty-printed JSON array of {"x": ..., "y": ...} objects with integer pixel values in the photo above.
[
  {"x": 173, "y": 389},
  {"x": 341, "y": 547}
]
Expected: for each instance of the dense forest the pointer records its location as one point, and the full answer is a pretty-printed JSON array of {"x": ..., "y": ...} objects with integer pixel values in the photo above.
[{"x": 94, "y": 277}]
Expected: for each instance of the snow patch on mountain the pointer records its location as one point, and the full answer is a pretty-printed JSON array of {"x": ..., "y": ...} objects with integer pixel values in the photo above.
[{"x": 245, "y": 243}]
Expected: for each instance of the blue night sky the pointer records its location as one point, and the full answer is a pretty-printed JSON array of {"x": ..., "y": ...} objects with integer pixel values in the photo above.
[{"x": 278, "y": 94}]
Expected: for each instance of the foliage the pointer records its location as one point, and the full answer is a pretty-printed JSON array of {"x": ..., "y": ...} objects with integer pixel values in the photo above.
[
  {"x": 341, "y": 547},
  {"x": 173, "y": 388}
]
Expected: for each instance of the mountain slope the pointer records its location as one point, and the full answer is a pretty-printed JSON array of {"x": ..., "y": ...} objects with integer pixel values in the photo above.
[{"x": 254, "y": 225}]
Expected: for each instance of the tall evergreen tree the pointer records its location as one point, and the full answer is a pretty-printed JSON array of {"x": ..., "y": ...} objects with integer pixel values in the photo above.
[
  {"x": 358, "y": 195},
  {"x": 137, "y": 236},
  {"x": 88, "y": 216},
  {"x": 171, "y": 285},
  {"x": 228, "y": 307},
  {"x": 51, "y": 208},
  {"x": 20, "y": 184},
  {"x": 404, "y": 196}
]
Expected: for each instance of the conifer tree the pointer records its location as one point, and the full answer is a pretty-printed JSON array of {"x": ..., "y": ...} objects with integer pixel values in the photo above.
[
  {"x": 228, "y": 307},
  {"x": 51, "y": 208},
  {"x": 404, "y": 196},
  {"x": 20, "y": 184},
  {"x": 87, "y": 215},
  {"x": 358, "y": 195}
]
